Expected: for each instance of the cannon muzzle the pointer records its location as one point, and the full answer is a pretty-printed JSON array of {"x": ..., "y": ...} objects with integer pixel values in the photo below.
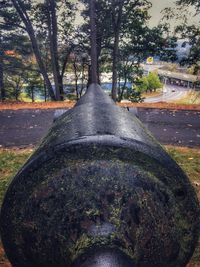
[{"x": 99, "y": 191}]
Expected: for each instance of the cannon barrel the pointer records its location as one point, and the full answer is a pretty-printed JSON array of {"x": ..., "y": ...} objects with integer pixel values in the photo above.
[{"x": 99, "y": 191}]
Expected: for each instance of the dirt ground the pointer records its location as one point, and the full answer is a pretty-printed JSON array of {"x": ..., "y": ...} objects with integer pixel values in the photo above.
[{"x": 68, "y": 104}]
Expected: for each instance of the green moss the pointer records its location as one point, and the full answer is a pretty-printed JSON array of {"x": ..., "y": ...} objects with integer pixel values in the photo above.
[
  {"x": 11, "y": 160},
  {"x": 86, "y": 241},
  {"x": 92, "y": 213},
  {"x": 115, "y": 213}
]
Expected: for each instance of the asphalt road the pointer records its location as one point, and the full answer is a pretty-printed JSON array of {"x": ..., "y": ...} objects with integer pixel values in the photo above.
[
  {"x": 27, "y": 127},
  {"x": 170, "y": 93}
]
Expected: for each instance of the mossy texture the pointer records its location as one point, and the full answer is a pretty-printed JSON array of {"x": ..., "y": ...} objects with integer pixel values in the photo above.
[{"x": 99, "y": 180}]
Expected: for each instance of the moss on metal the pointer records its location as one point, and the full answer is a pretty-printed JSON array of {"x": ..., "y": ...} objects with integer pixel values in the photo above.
[{"x": 99, "y": 180}]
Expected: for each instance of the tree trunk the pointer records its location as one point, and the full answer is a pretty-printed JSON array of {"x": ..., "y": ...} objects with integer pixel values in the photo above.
[
  {"x": 2, "y": 88},
  {"x": 19, "y": 6},
  {"x": 16, "y": 93},
  {"x": 42, "y": 68},
  {"x": 123, "y": 89},
  {"x": 53, "y": 32},
  {"x": 76, "y": 80},
  {"x": 64, "y": 63},
  {"x": 32, "y": 94},
  {"x": 89, "y": 76},
  {"x": 45, "y": 93},
  {"x": 116, "y": 18},
  {"x": 99, "y": 48},
  {"x": 98, "y": 71},
  {"x": 119, "y": 85},
  {"x": 82, "y": 79},
  {"x": 93, "y": 39},
  {"x": 114, "y": 66}
]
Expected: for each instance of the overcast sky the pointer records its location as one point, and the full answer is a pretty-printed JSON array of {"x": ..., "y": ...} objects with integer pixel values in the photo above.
[
  {"x": 155, "y": 11},
  {"x": 158, "y": 5}
]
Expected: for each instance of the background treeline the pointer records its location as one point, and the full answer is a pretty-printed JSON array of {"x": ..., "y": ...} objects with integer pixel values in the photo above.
[{"x": 45, "y": 45}]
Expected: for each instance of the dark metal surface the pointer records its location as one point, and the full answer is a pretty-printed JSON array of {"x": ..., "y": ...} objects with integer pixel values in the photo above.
[
  {"x": 104, "y": 258},
  {"x": 99, "y": 191}
]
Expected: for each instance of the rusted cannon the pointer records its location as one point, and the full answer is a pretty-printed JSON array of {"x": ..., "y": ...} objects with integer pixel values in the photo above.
[{"x": 99, "y": 191}]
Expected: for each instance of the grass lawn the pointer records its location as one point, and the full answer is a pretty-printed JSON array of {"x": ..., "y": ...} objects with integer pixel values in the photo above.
[
  {"x": 152, "y": 94},
  {"x": 189, "y": 160},
  {"x": 10, "y": 162},
  {"x": 13, "y": 105},
  {"x": 12, "y": 159},
  {"x": 192, "y": 97}
]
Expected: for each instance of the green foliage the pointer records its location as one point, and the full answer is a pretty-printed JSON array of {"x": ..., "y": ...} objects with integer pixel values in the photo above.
[
  {"x": 136, "y": 39},
  {"x": 145, "y": 41},
  {"x": 143, "y": 85},
  {"x": 13, "y": 85},
  {"x": 194, "y": 69},
  {"x": 185, "y": 30},
  {"x": 148, "y": 83},
  {"x": 140, "y": 85},
  {"x": 168, "y": 51},
  {"x": 186, "y": 3},
  {"x": 135, "y": 51},
  {"x": 128, "y": 71},
  {"x": 49, "y": 26},
  {"x": 136, "y": 96},
  {"x": 34, "y": 85},
  {"x": 57, "y": 37},
  {"x": 153, "y": 81},
  {"x": 14, "y": 47},
  {"x": 64, "y": 37},
  {"x": 192, "y": 34}
]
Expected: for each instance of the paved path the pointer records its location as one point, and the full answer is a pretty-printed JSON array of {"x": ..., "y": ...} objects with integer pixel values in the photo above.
[
  {"x": 170, "y": 93},
  {"x": 181, "y": 128},
  {"x": 27, "y": 127}
]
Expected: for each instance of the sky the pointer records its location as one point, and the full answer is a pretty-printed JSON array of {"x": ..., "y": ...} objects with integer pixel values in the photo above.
[
  {"x": 155, "y": 11},
  {"x": 159, "y": 5}
]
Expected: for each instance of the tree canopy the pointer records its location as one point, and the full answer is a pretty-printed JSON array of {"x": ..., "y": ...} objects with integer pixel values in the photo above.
[
  {"x": 194, "y": 3},
  {"x": 60, "y": 46}
]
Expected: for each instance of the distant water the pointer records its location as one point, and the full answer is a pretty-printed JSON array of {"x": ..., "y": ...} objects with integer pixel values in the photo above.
[{"x": 69, "y": 88}]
